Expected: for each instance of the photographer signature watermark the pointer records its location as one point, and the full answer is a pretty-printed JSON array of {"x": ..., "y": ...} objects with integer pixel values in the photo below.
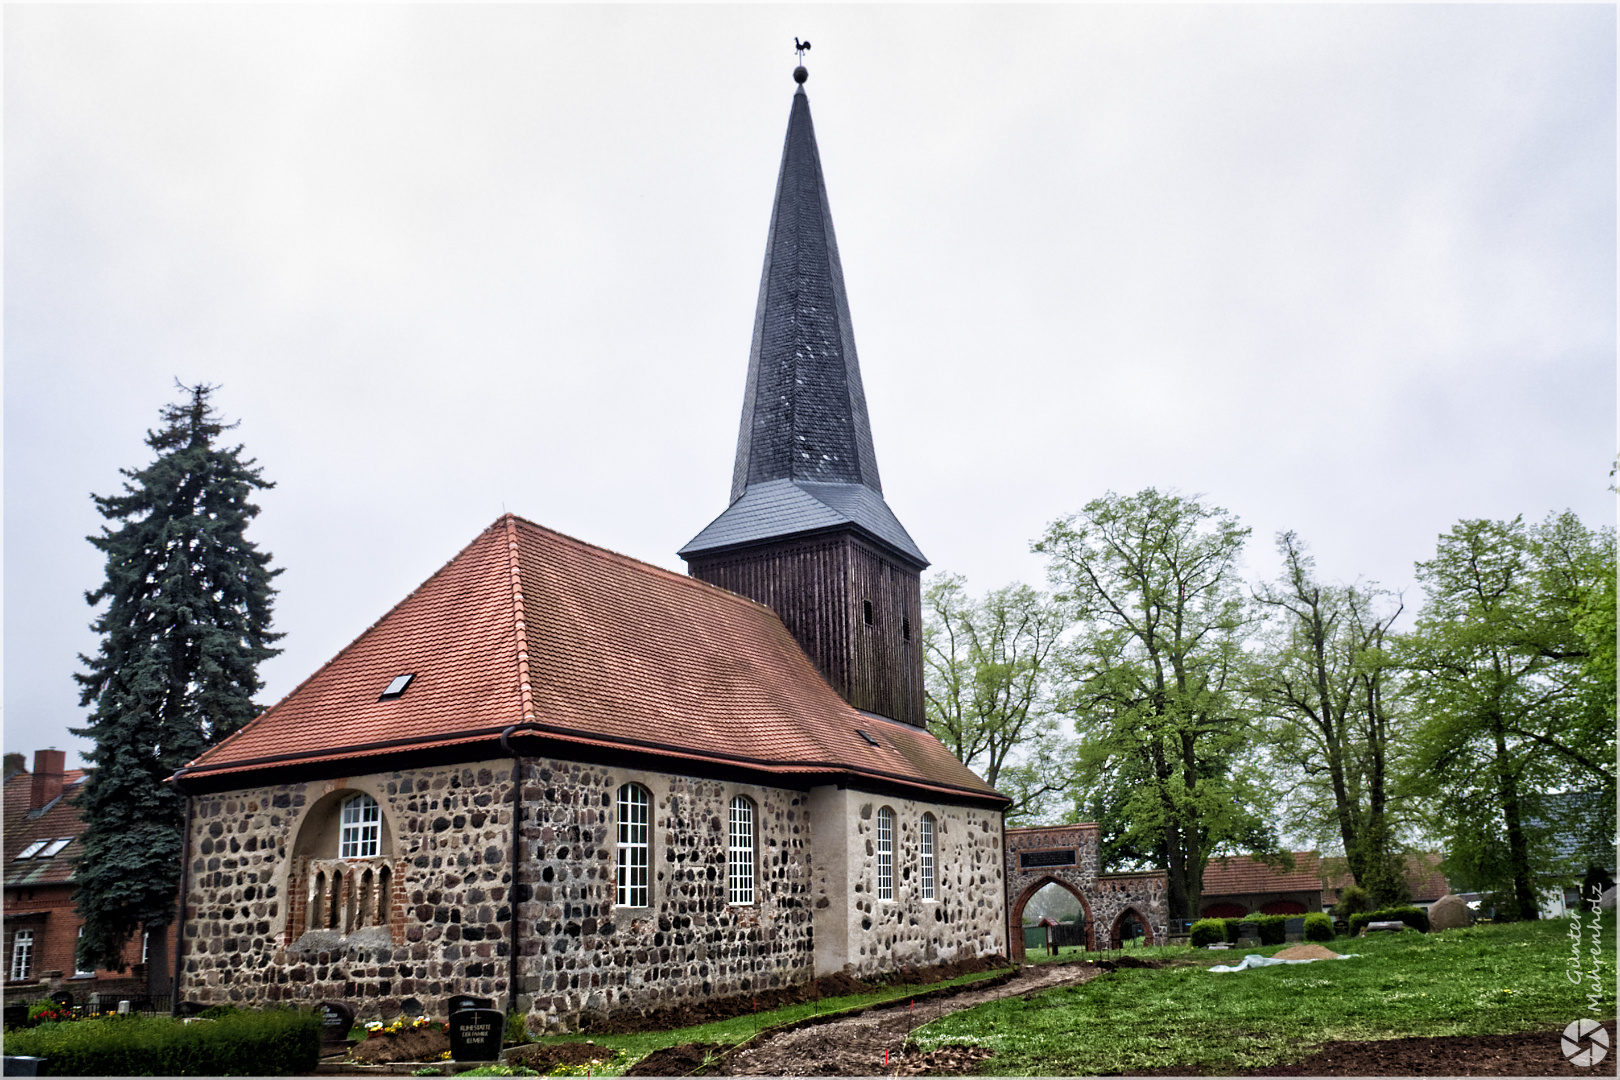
[{"x": 1585, "y": 968}]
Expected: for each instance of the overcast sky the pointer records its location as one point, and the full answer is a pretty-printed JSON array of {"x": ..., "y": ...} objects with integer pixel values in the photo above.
[{"x": 1343, "y": 270}]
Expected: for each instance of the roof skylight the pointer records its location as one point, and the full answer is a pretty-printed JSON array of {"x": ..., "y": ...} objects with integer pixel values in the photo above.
[
  {"x": 397, "y": 687},
  {"x": 867, "y": 737},
  {"x": 56, "y": 846},
  {"x": 32, "y": 849}
]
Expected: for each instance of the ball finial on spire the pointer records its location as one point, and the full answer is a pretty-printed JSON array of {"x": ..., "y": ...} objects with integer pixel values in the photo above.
[{"x": 800, "y": 74}]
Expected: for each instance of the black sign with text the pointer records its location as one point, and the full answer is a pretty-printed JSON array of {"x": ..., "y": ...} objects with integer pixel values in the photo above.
[
  {"x": 475, "y": 1034},
  {"x": 1028, "y": 860},
  {"x": 336, "y": 1020}
]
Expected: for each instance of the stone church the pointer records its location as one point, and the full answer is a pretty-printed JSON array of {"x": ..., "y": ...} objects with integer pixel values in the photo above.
[{"x": 582, "y": 784}]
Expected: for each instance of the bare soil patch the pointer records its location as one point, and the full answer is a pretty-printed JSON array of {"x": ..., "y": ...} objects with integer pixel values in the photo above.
[
  {"x": 1530, "y": 1053},
  {"x": 856, "y": 1045},
  {"x": 1307, "y": 952},
  {"x": 675, "y": 1061},
  {"x": 838, "y": 985},
  {"x": 419, "y": 1044},
  {"x": 544, "y": 1056}
]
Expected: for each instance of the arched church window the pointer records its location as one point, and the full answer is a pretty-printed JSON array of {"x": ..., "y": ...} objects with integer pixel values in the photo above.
[
  {"x": 925, "y": 856},
  {"x": 885, "y": 854},
  {"x": 740, "y": 853},
  {"x": 634, "y": 821},
  {"x": 361, "y": 827}
]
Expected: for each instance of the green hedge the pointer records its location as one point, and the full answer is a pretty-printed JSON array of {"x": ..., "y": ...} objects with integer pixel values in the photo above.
[
  {"x": 1318, "y": 926},
  {"x": 1207, "y": 932},
  {"x": 1415, "y": 917},
  {"x": 273, "y": 1042}
]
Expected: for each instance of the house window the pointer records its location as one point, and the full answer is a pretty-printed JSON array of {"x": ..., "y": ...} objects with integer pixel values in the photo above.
[
  {"x": 362, "y": 827},
  {"x": 885, "y": 854},
  {"x": 925, "y": 847},
  {"x": 740, "y": 852},
  {"x": 146, "y": 946},
  {"x": 633, "y": 848},
  {"x": 22, "y": 955},
  {"x": 77, "y": 969}
]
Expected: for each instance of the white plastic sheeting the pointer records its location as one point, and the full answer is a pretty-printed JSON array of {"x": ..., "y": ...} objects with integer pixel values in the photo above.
[{"x": 1254, "y": 960}]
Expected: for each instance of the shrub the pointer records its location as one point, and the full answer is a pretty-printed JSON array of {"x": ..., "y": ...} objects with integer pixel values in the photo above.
[
  {"x": 1318, "y": 927},
  {"x": 1352, "y": 901},
  {"x": 44, "y": 1011},
  {"x": 1273, "y": 928},
  {"x": 1208, "y": 932},
  {"x": 275, "y": 1041},
  {"x": 1414, "y": 917},
  {"x": 517, "y": 1029}
]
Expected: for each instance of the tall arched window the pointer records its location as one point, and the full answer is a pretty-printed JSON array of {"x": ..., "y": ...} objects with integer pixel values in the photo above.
[
  {"x": 925, "y": 856},
  {"x": 362, "y": 827},
  {"x": 634, "y": 818},
  {"x": 740, "y": 853},
  {"x": 885, "y": 854}
]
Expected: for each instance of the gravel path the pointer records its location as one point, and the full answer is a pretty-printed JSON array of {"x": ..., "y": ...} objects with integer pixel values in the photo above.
[{"x": 855, "y": 1046}]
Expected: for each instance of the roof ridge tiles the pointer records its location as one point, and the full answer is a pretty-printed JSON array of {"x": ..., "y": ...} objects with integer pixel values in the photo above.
[{"x": 525, "y": 693}]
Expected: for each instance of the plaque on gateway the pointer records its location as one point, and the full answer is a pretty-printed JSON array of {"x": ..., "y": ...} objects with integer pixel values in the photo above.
[
  {"x": 1028, "y": 860},
  {"x": 462, "y": 1002},
  {"x": 475, "y": 1034},
  {"x": 336, "y": 1020}
]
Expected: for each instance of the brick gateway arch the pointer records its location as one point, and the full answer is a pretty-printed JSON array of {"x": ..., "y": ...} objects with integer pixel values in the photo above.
[{"x": 1067, "y": 856}]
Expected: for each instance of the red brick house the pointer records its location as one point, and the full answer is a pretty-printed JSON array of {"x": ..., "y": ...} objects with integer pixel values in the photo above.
[{"x": 42, "y": 830}]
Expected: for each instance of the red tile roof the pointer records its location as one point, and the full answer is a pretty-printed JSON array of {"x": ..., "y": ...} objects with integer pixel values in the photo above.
[
  {"x": 527, "y": 626},
  {"x": 59, "y": 821},
  {"x": 1423, "y": 877},
  {"x": 1240, "y": 875}
]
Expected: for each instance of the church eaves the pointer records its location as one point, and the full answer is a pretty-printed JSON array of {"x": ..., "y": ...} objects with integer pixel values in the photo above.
[{"x": 804, "y": 451}]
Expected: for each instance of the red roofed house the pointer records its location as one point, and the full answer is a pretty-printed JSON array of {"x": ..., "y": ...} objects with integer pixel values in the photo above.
[
  {"x": 1235, "y": 886},
  {"x": 1423, "y": 879},
  {"x": 42, "y": 829},
  {"x": 724, "y": 782}
]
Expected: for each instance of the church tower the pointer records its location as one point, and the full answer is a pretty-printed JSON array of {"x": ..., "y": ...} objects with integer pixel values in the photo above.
[{"x": 807, "y": 533}]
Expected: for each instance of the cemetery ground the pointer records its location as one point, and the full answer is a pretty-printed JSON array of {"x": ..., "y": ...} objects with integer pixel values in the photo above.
[{"x": 1485, "y": 1000}]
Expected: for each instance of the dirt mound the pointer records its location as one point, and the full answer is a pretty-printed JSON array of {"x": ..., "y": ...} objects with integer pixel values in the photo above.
[
  {"x": 1307, "y": 952},
  {"x": 675, "y": 1061},
  {"x": 835, "y": 985},
  {"x": 419, "y": 1044},
  {"x": 545, "y": 1057},
  {"x": 946, "y": 1061},
  {"x": 1128, "y": 962}
]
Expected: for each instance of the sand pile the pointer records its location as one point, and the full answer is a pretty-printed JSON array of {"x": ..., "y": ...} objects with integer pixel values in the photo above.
[{"x": 1306, "y": 952}]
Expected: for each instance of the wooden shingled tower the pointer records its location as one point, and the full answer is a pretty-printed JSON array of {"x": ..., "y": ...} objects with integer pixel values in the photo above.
[{"x": 808, "y": 533}]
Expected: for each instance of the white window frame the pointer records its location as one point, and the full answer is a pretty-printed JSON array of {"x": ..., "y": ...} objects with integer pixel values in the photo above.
[
  {"x": 32, "y": 849},
  {"x": 79, "y": 972},
  {"x": 925, "y": 856},
  {"x": 634, "y": 847},
  {"x": 22, "y": 954},
  {"x": 885, "y": 853},
  {"x": 55, "y": 847},
  {"x": 361, "y": 833},
  {"x": 146, "y": 946},
  {"x": 740, "y": 852}
]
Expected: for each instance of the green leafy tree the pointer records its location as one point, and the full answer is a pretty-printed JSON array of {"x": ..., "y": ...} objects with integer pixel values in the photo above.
[
  {"x": 1510, "y": 708},
  {"x": 1153, "y": 680},
  {"x": 1322, "y": 677},
  {"x": 987, "y": 679},
  {"x": 186, "y": 625}
]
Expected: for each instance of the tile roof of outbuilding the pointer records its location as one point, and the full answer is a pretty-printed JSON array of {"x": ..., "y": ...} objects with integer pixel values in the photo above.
[
  {"x": 59, "y": 820},
  {"x": 1424, "y": 879},
  {"x": 528, "y": 626},
  {"x": 1244, "y": 874}
]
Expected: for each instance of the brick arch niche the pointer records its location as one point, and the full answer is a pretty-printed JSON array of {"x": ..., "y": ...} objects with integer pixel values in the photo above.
[
  {"x": 1015, "y": 916},
  {"x": 1116, "y": 938},
  {"x": 337, "y": 898}
]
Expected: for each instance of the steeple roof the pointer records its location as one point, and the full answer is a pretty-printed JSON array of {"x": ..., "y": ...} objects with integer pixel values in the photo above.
[{"x": 804, "y": 452}]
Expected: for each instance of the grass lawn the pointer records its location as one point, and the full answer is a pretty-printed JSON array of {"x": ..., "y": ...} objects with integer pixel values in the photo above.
[
  {"x": 735, "y": 1030},
  {"x": 1493, "y": 979}
]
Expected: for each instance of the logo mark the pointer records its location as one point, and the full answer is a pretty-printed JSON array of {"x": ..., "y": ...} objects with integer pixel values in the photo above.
[{"x": 1587, "y": 1056}]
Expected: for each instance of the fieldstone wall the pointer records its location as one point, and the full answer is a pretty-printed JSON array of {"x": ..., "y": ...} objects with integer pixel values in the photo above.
[
  {"x": 861, "y": 934},
  {"x": 1114, "y": 894},
  {"x": 1069, "y": 856}
]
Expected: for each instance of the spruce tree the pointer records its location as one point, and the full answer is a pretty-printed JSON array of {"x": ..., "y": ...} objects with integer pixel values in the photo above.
[{"x": 186, "y": 625}]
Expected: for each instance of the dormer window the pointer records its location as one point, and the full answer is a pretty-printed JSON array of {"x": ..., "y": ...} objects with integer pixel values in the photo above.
[{"x": 397, "y": 687}]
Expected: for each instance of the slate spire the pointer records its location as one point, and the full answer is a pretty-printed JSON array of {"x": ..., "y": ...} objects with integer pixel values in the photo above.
[
  {"x": 804, "y": 450},
  {"x": 804, "y": 411}
]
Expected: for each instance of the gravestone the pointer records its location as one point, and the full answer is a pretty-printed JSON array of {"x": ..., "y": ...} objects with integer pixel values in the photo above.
[
  {"x": 1449, "y": 912},
  {"x": 336, "y": 1021},
  {"x": 1294, "y": 928},
  {"x": 1341, "y": 927},
  {"x": 1393, "y": 926},
  {"x": 461, "y": 1002},
  {"x": 1248, "y": 935},
  {"x": 475, "y": 1034}
]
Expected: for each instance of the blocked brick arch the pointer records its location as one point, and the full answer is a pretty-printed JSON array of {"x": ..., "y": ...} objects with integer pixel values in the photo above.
[{"x": 1116, "y": 933}]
